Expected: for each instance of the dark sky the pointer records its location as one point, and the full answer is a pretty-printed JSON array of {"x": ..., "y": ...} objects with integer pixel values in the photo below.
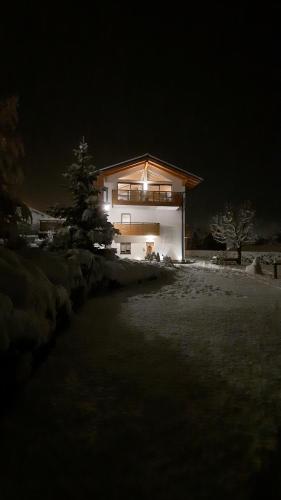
[{"x": 198, "y": 87}]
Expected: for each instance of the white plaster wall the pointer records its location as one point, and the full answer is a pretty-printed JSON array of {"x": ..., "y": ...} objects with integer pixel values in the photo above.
[
  {"x": 169, "y": 241},
  {"x": 170, "y": 219}
]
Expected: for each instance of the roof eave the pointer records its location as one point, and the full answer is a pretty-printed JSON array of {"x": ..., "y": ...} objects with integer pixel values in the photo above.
[{"x": 153, "y": 158}]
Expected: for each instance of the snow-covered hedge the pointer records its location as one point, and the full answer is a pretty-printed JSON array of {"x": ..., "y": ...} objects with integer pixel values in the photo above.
[
  {"x": 38, "y": 290},
  {"x": 29, "y": 302},
  {"x": 247, "y": 256},
  {"x": 125, "y": 272}
]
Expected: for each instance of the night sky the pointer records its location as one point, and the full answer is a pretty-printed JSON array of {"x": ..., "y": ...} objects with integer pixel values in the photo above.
[{"x": 199, "y": 88}]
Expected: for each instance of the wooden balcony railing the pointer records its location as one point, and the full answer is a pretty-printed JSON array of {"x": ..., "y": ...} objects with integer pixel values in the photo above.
[
  {"x": 138, "y": 228},
  {"x": 165, "y": 198}
]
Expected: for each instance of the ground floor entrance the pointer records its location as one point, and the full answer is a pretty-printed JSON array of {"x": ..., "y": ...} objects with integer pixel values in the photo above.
[{"x": 150, "y": 247}]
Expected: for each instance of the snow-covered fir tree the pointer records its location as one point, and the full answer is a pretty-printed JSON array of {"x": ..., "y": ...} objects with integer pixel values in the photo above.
[
  {"x": 85, "y": 219},
  {"x": 234, "y": 227}
]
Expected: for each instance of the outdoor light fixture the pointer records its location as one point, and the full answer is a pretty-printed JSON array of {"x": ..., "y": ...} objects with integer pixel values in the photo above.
[
  {"x": 145, "y": 185},
  {"x": 106, "y": 207}
]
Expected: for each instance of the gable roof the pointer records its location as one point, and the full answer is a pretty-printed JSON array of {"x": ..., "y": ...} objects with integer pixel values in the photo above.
[{"x": 192, "y": 180}]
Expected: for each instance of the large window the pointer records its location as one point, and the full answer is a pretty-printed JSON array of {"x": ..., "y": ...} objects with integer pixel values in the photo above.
[
  {"x": 159, "y": 187},
  {"x": 129, "y": 186},
  {"x": 125, "y": 248},
  {"x": 133, "y": 192},
  {"x": 159, "y": 192},
  {"x": 129, "y": 191}
]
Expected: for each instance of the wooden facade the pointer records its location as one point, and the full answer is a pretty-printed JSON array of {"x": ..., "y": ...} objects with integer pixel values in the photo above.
[
  {"x": 150, "y": 198},
  {"x": 138, "y": 228},
  {"x": 189, "y": 180}
]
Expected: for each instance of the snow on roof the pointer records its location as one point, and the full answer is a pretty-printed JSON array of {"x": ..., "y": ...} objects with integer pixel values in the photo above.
[{"x": 41, "y": 214}]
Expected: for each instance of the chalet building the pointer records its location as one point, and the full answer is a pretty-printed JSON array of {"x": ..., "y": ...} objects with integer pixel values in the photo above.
[
  {"x": 42, "y": 222},
  {"x": 145, "y": 198}
]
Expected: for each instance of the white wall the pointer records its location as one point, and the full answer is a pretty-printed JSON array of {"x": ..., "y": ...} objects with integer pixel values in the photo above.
[{"x": 170, "y": 219}]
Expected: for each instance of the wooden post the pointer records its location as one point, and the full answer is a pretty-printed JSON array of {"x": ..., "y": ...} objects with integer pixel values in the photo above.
[{"x": 275, "y": 270}]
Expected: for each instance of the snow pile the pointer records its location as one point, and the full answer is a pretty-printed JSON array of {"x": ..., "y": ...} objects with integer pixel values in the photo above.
[
  {"x": 125, "y": 272},
  {"x": 254, "y": 267}
]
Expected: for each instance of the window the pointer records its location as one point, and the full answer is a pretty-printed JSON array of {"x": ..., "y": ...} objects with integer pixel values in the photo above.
[
  {"x": 130, "y": 186},
  {"x": 105, "y": 194},
  {"x": 131, "y": 191},
  {"x": 126, "y": 218},
  {"x": 166, "y": 187},
  {"x": 125, "y": 248}
]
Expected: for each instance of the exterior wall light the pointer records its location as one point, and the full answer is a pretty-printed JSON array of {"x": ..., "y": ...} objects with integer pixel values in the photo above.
[{"x": 106, "y": 207}]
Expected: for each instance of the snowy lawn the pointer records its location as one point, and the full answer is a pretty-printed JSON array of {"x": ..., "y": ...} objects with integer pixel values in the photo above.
[{"x": 166, "y": 391}]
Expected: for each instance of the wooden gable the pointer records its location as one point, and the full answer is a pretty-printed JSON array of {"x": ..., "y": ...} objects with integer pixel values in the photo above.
[{"x": 156, "y": 171}]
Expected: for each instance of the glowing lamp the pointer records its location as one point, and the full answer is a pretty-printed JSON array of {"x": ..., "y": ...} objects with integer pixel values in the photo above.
[
  {"x": 106, "y": 207},
  {"x": 145, "y": 186}
]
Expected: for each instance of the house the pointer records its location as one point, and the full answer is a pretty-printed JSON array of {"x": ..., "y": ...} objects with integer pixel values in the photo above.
[
  {"x": 42, "y": 222},
  {"x": 145, "y": 198}
]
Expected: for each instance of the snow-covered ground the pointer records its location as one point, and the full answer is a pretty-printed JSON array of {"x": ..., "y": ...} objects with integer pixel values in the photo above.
[
  {"x": 212, "y": 289},
  {"x": 165, "y": 390},
  {"x": 217, "y": 314}
]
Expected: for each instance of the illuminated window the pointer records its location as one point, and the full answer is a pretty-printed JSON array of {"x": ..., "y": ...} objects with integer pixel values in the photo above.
[
  {"x": 166, "y": 187},
  {"x": 105, "y": 194},
  {"x": 125, "y": 248},
  {"x": 131, "y": 191},
  {"x": 129, "y": 186}
]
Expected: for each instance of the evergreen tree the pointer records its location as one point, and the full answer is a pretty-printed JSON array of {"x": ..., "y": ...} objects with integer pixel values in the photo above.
[
  {"x": 12, "y": 209},
  {"x": 85, "y": 219}
]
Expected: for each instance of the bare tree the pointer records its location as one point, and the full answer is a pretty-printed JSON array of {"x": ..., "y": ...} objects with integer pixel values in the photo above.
[{"x": 234, "y": 227}]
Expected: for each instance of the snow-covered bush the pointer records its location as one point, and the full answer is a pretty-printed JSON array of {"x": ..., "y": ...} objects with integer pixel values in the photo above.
[
  {"x": 33, "y": 298},
  {"x": 254, "y": 267},
  {"x": 126, "y": 272},
  {"x": 37, "y": 291},
  {"x": 28, "y": 330},
  {"x": 63, "y": 305},
  {"x": 167, "y": 261},
  {"x": 265, "y": 257},
  {"x": 14, "y": 279},
  {"x": 51, "y": 264},
  {"x": 91, "y": 268}
]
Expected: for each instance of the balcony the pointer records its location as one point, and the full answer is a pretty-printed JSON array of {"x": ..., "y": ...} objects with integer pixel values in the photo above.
[
  {"x": 153, "y": 198},
  {"x": 138, "y": 228}
]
